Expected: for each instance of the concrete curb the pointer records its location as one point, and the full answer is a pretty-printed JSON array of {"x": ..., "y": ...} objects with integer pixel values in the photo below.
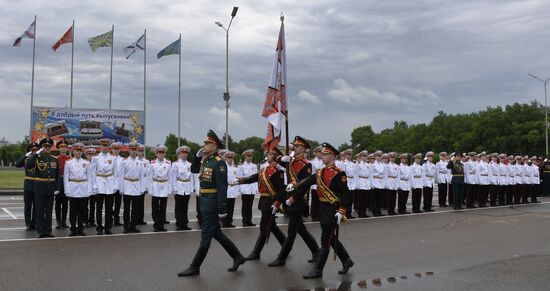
[{"x": 11, "y": 192}]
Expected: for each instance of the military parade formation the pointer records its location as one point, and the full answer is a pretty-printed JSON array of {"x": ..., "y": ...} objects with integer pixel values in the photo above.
[{"x": 91, "y": 188}]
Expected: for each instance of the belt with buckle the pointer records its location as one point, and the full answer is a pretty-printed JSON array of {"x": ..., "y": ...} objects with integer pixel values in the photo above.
[
  {"x": 130, "y": 179},
  {"x": 160, "y": 180},
  {"x": 104, "y": 175},
  {"x": 208, "y": 191},
  {"x": 78, "y": 180},
  {"x": 184, "y": 180}
]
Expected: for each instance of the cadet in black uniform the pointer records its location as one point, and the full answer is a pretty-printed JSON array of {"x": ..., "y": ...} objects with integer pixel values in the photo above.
[
  {"x": 213, "y": 204},
  {"x": 47, "y": 183},
  {"x": 334, "y": 196},
  {"x": 28, "y": 188},
  {"x": 457, "y": 182}
]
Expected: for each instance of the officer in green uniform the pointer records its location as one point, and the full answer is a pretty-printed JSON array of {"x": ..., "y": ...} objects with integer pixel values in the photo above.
[
  {"x": 47, "y": 183},
  {"x": 212, "y": 172},
  {"x": 28, "y": 188}
]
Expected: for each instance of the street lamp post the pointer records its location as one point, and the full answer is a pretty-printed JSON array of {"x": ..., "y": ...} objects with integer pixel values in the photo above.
[
  {"x": 545, "y": 108},
  {"x": 226, "y": 93}
]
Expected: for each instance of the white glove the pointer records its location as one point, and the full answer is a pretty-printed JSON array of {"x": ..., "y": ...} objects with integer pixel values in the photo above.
[
  {"x": 288, "y": 202},
  {"x": 39, "y": 151},
  {"x": 28, "y": 154},
  {"x": 290, "y": 187},
  {"x": 199, "y": 154},
  {"x": 339, "y": 217},
  {"x": 292, "y": 154},
  {"x": 234, "y": 182},
  {"x": 274, "y": 209},
  {"x": 285, "y": 159},
  {"x": 222, "y": 216},
  {"x": 55, "y": 192}
]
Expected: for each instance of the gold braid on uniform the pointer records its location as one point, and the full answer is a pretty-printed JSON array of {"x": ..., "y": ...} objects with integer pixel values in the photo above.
[{"x": 44, "y": 166}]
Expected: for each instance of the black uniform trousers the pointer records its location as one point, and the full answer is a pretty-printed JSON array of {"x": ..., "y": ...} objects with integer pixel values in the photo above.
[
  {"x": 246, "y": 210},
  {"x": 230, "y": 211},
  {"x": 117, "y": 204},
  {"x": 510, "y": 194},
  {"x": 314, "y": 205},
  {"x": 535, "y": 191},
  {"x": 518, "y": 193},
  {"x": 77, "y": 213},
  {"x": 91, "y": 211},
  {"x": 502, "y": 189},
  {"x": 158, "y": 211},
  {"x": 30, "y": 208},
  {"x": 44, "y": 208},
  {"x": 108, "y": 199},
  {"x": 483, "y": 192},
  {"x": 140, "y": 207},
  {"x": 392, "y": 197},
  {"x": 375, "y": 201},
  {"x": 493, "y": 194},
  {"x": 471, "y": 194},
  {"x": 442, "y": 194},
  {"x": 416, "y": 198},
  {"x": 296, "y": 226},
  {"x": 402, "y": 197},
  {"x": 458, "y": 193},
  {"x": 362, "y": 198},
  {"x": 428, "y": 194},
  {"x": 181, "y": 209},
  {"x": 267, "y": 225},
  {"x": 451, "y": 191},
  {"x": 61, "y": 207},
  {"x": 527, "y": 189},
  {"x": 131, "y": 208}
]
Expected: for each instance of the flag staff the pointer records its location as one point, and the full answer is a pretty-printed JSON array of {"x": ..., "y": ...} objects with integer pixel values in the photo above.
[
  {"x": 72, "y": 65},
  {"x": 111, "y": 76},
  {"x": 145, "y": 91},
  {"x": 287, "y": 144},
  {"x": 179, "y": 97},
  {"x": 32, "y": 78}
]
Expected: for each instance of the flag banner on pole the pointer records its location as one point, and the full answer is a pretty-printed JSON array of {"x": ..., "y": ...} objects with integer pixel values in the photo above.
[
  {"x": 103, "y": 40},
  {"x": 29, "y": 33},
  {"x": 275, "y": 99},
  {"x": 138, "y": 44},
  {"x": 173, "y": 49},
  {"x": 66, "y": 38}
]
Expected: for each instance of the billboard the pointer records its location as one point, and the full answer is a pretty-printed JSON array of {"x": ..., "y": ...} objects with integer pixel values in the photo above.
[{"x": 87, "y": 125}]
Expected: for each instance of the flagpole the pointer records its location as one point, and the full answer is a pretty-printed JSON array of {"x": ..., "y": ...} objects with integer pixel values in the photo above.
[
  {"x": 72, "y": 65},
  {"x": 111, "y": 77},
  {"x": 284, "y": 75},
  {"x": 179, "y": 97},
  {"x": 32, "y": 78},
  {"x": 145, "y": 92}
]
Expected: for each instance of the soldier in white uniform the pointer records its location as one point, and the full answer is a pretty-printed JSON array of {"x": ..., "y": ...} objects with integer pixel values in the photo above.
[
  {"x": 428, "y": 175},
  {"x": 518, "y": 179},
  {"x": 535, "y": 180},
  {"x": 141, "y": 199},
  {"x": 182, "y": 187},
  {"x": 159, "y": 185},
  {"x": 441, "y": 176},
  {"x": 363, "y": 183},
  {"x": 349, "y": 167},
  {"x": 76, "y": 179},
  {"x": 103, "y": 170},
  {"x": 494, "y": 175},
  {"x": 483, "y": 180},
  {"x": 115, "y": 149},
  {"x": 377, "y": 183},
  {"x": 404, "y": 184},
  {"x": 502, "y": 179},
  {"x": 90, "y": 152},
  {"x": 248, "y": 191},
  {"x": 470, "y": 180},
  {"x": 233, "y": 191},
  {"x": 417, "y": 183},
  {"x": 131, "y": 183},
  {"x": 511, "y": 178},
  {"x": 527, "y": 180},
  {"x": 316, "y": 164},
  {"x": 392, "y": 183}
]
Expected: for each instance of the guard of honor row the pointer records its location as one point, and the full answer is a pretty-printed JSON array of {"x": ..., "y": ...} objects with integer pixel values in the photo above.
[{"x": 94, "y": 185}]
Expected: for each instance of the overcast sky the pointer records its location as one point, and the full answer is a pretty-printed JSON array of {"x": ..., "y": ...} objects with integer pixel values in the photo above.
[{"x": 350, "y": 63}]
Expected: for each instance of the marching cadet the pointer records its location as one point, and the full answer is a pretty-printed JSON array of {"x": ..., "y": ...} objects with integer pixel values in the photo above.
[
  {"x": 271, "y": 185},
  {"x": 441, "y": 174},
  {"x": 159, "y": 186},
  {"x": 348, "y": 167},
  {"x": 182, "y": 187},
  {"x": 131, "y": 183},
  {"x": 502, "y": 179},
  {"x": 103, "y": 170},
  {"x": 90, "y": 153},
  {"x": 377, "y": 184},
  {"x": 483, "y": 180},
  {"x": 392, "y": 183},
  {"x": 297, "y": 168},
  {"x": 363, "y": 183},
  {"x": 140, "y": 205},
  {"x": 511, "y": 178},
  {"x": 494, "y": 174},
  {"x": 518, "y": 179},
  {"x": 428, "y": 174},
  {"x": 248, "y": 191},
  {"x": 47, "y": 184},
  {"x": 457, "y": 182},
  {"x": 333, "y": 194},
  {"x": 213, "y": 200},
  {"x": 28, "y": 187},
  {"x": 417, "y": 183},
  {"x": 316, "y": 164},
  {"x": 61, "y": 201},
  {"x": 470, "y": 188},
  {"x": 404, "y": 184},
  {"x": 232, "y": 190},
  {"x": 535, "y": 191},
  {"x": 115, "y": 148},
  {"x": 76, "y": 178}
]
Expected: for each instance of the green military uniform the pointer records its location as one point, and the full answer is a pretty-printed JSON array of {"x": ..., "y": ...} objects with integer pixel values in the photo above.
[
  {"x": 47, "y": 181},
  {"x": 212, "y": 172},
  {"x": 28, "y": 188}
]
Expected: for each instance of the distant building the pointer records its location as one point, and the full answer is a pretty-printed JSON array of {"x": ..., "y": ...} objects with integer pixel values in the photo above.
[{"x": 4, "y": 142}]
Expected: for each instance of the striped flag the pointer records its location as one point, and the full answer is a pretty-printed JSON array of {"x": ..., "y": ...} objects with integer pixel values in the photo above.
[
  {"x": 103, "y": 40},
  {"x": 29, "y": 33},
  {"x": 275, "y": 100},
  {"x": 66, "y": 38},
  {"x": 138, "y": 44},
  {"x": 173, "y": 49}
]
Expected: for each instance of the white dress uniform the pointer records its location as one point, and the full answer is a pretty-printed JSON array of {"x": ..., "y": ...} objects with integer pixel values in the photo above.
[
  {"x": 494, "y": 173},
  {"x": 470, "y": 172},
  {"x": 518, "y": 178},
  {"x": 377, "y": 175},
  {"x": 392, "y": 176},
  {"x": 158, "y": 178},
  {"x": 502, "y": 174},
  {"x": 535, "y": 175},
  {"x": 511, "y": 178},
  {"x": 76, "y": 178},
  {"x": 131, "y": 175},
  {"x": 428, "y": 174},
  {"x": 244, "y": 170},
  {"x": 404, "y": 177},
  {"x": 482, "y": 173},
  {"x": 182, "y": 178},
  {"x": 232, "y": 191},
  {"x": 362, "y": 173},
  {"x": 349, "y": 168},
  {"x": 118, "y": 161},
  {"x": 527, "y": 174},
  {"x": 415, "y": 172},
  {"x": 441, "y": 172},
  {"x": 103, "y": 171}
]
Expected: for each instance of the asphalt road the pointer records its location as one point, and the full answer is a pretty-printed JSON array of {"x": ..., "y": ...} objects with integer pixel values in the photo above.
[{"x": 503, "y": 248}]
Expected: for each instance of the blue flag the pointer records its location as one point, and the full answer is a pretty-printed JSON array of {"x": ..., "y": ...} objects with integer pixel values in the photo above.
[{"x": 173, "y": 49}]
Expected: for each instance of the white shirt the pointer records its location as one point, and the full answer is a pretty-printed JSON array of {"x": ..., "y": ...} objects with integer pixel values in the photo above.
[
  {"x": 494, "y": 173},
  {"x": 518, "y": 178},
  {"x": 470, "y": 172},
  {"x": 158, "y": 178},
  {"x": 392, "y": 176},
  {"x": 527, "y": 174},
  {"x": 244, "y": 170},
  {"x": 441, "y": 172},
  {"x": 131, "y": 177},
  {"x": 502, "y": 174},
  {"x": 362, "y": 173},
  {"x": 349, "y": 168},
  {"x": 535, "y": 175},
  {"x": 233, "y": 191},
  {"x": 118, "y": 161},
  {"x": 103, "y": 171},
  {"x": 76, "y": 178},
  {"x": 404, "y": 177},
  {"x": 377, "y": 175},
  {"x": 415, "y": 172},
  {"x": 482, "y": 173},
  {"x": 511, "y": 178},
  {"x": 428, "y": 174},
  {"x": 182, "y": 178},
  {"x": 317, "y": 164}
]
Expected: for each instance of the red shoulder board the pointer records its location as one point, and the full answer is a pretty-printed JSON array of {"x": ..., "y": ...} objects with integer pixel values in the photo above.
[
  {"x": 298, "y": 165},
  {"x": 329, "y": 174},
  {"x": 270, "y": 170}
]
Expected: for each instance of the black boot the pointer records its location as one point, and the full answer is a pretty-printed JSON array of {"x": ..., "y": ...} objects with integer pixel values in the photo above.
[
  {"x": 317, "y": 271},
  {"x": 194, "y": 268},
  {"x": 255, "y": 254},
  {"x": 278, "y": 262},
  {"x": 314, "y": 257},
  {"x": 236, "y": 263},
  {"x": 346, "y": 266}
]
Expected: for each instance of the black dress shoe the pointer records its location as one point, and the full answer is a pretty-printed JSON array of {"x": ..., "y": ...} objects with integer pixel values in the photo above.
[
  {"x": 135, "y": 230},
  {"x": 236, "y": 263},
  {"x": 229, "y": 225},
  {"x": 126, "y": 231},
  {"x": 81, "y": 233},
  {"x": 30, "y": 228},
  {"x": 314, "y": 257},
  {"x": 185, "y": 227},
  {"x": 142, "y": 223},
  {"x": 108, "y": 231},
  {"x": 64, "y": 226},
  {"x": 346, "y": 266},
  {"x": 313, "y": 274},
  {"x": 100, "y": 232},
  {"x": 253, "y": 256},
  {"x": 50, "y": 235},
  {"x": 117, "y": 223},
  {"x": 42, "y": 236},
  {"x": 191, "y": 271},
  {"x": 92, "y": 224},
  {"x": 278, "y": 262},
  {"x": 249, "y": 224},
  {"x": 58, "y": 226},
  {"x": 73, "y": 233}
]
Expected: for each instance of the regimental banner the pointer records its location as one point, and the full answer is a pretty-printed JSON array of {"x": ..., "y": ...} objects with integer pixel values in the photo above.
[{"x": 87, "y": 125}]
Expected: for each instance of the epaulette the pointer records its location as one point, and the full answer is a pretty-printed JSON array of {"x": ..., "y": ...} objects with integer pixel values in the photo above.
[{"x": 218, "y": 158}]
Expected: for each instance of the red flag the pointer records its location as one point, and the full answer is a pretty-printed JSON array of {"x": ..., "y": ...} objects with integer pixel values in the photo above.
[
  {"x": 275, "y": 99},
  {"x": 66, "y": 38}
]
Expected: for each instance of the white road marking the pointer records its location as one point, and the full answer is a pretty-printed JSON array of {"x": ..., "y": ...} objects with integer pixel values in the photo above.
[{"x": 9, "y": 213}]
